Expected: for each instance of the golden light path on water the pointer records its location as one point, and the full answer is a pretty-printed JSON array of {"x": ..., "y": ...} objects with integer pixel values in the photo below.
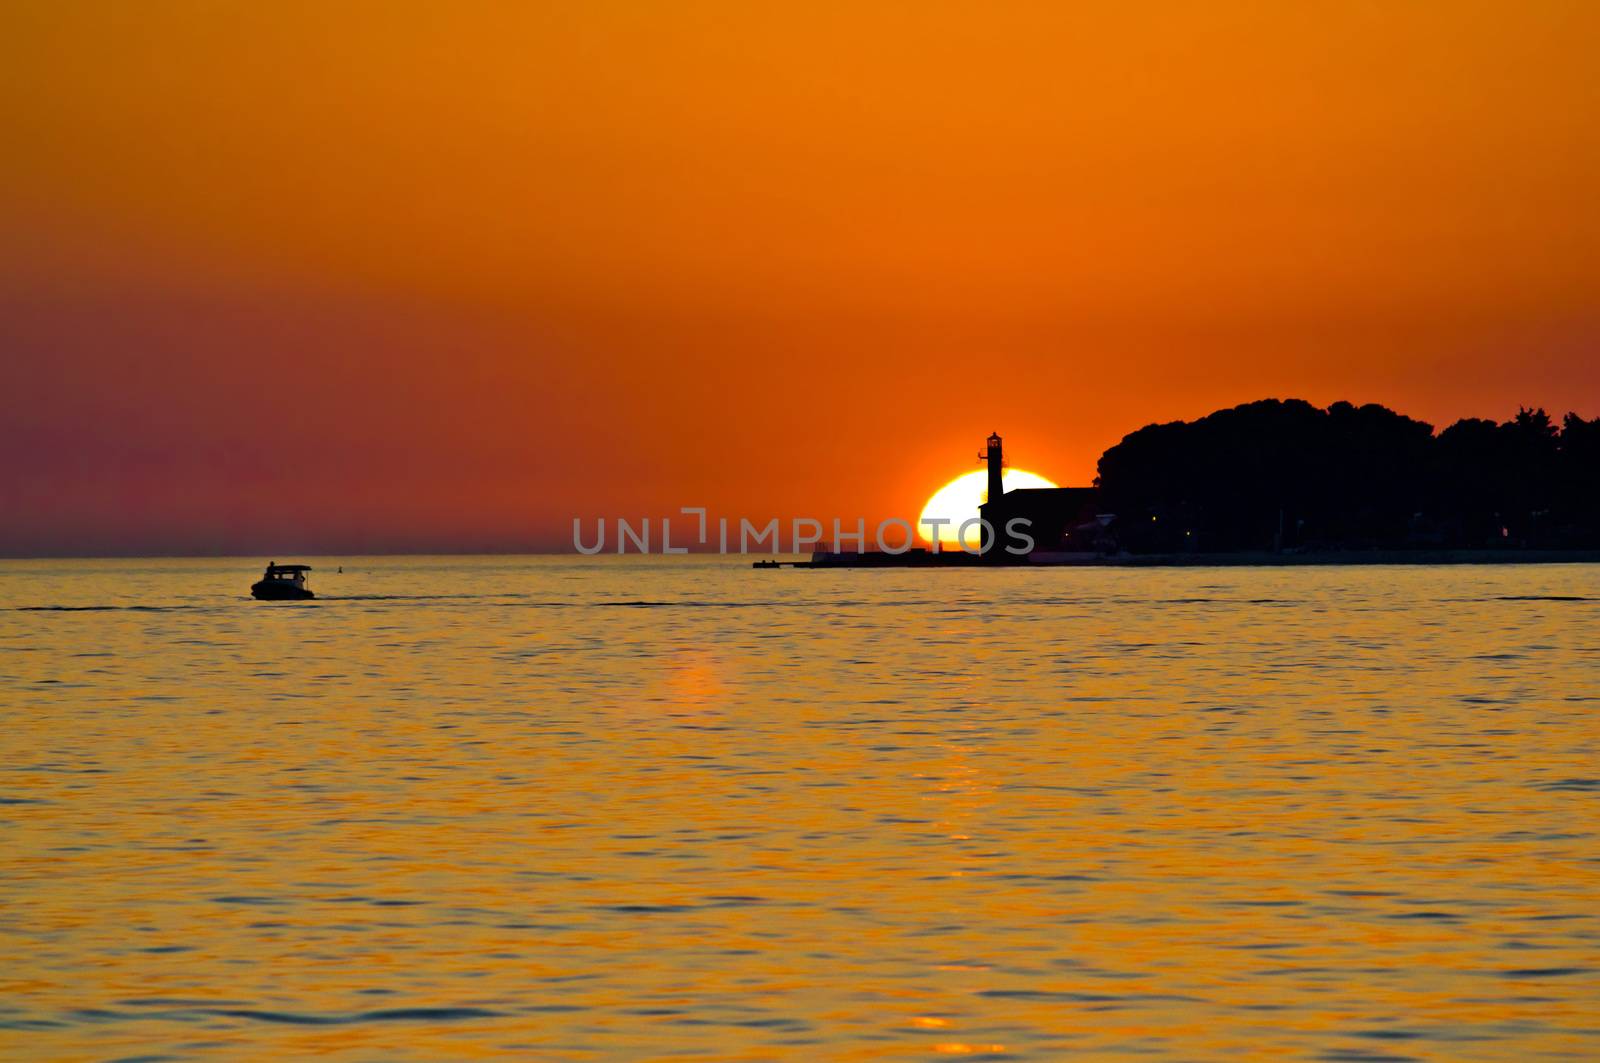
[
  {"x": 618, "y": 809},
  {"x": 957, "y": 502}
]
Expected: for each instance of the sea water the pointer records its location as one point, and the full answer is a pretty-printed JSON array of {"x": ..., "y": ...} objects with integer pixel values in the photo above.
[{"x": 615, "y": 808}]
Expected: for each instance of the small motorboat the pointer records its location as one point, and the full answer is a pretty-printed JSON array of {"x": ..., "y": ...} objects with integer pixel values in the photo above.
[{"x": 282, "y": 583}]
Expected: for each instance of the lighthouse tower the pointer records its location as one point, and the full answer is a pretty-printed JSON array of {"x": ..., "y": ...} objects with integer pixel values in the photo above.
[{"x": 996, "y": 464}]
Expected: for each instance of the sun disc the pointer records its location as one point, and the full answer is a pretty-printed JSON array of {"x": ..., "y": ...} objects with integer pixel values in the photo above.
[{"x": 958, "y": 501}]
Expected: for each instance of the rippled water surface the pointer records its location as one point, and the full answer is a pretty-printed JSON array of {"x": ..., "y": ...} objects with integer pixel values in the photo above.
[{"x": 544, "y": 808}]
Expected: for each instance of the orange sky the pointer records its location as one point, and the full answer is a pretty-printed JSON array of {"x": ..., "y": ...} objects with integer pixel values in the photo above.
[{"x": 423, "y": 276}]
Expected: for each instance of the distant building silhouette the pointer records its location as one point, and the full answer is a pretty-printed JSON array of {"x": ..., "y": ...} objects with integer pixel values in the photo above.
[
  {"x": 1060, "y": 519},
  {"x": 997, "y": 464}
]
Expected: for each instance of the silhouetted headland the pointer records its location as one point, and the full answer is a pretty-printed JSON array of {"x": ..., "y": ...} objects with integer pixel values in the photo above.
[{"x": 1286, "y": 482}]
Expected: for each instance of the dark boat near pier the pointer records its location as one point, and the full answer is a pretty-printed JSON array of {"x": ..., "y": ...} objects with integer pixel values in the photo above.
[{"x": 282, "y": 583}]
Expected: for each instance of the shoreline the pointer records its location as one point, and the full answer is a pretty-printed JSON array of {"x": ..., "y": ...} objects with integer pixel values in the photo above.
[{"x": 1238, "y": 559}]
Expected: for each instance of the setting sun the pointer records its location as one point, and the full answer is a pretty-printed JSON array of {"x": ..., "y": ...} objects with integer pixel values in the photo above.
[{"x": 959, "y": 500}]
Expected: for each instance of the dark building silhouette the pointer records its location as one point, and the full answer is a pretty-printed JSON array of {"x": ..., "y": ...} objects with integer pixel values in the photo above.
[
  {"x": 997, "y": 464},
  {"x": 1060, "y": 519}
]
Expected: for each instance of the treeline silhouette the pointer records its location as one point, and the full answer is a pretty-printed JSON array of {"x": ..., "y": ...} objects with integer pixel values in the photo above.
[{"x": 1284, "y": 474}]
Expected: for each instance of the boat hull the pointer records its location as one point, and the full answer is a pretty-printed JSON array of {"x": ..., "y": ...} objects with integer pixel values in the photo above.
[{"x": 279, "y": 591}]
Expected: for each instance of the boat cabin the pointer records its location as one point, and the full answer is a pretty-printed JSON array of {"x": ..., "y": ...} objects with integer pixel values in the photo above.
[{"x": 292, "y": 573}]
